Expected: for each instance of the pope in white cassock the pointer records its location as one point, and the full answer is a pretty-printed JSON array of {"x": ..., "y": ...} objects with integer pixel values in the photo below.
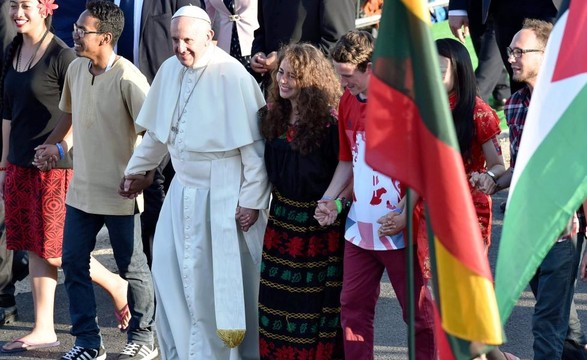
[{"x": 202, "y": 109}]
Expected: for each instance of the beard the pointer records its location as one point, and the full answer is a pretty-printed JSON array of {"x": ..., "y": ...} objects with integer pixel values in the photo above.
[{"x": 525, "y": 77}]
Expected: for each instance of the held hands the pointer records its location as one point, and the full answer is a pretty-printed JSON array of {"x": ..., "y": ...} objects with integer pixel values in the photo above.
[
  {"x": 326, "y": 212},
  {"x": 261, "y": 63},
  {"x": 132, "y": 186},
  {"x": 392, "y": 223},
  {"x": 246, "y": 217},
  {"x": 483, "y": 182},
  {"x": 46, "y": 157}
]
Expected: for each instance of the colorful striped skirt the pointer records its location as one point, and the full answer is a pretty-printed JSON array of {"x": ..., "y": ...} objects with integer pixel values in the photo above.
[{"x": 301, "y": 280}]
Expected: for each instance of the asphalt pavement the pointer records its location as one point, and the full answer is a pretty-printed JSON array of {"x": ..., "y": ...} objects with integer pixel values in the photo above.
[
  {"x": 113, "y": 339},
  {"x": 390, "y": 334}
]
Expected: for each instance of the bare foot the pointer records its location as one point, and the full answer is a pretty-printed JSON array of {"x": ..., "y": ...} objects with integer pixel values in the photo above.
[
  {"x": 35, "y": 339},
  {"x": 120, "y": 301}
]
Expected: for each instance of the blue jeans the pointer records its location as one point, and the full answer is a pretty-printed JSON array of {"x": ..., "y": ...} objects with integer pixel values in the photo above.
[
  {"x": 79, "y": 239},
  {"x": 575, "y": 334},
  {"x": 553, "y": 287}
]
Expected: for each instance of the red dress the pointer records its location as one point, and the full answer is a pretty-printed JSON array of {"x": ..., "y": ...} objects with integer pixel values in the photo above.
[{"x": 486, "y": 129}]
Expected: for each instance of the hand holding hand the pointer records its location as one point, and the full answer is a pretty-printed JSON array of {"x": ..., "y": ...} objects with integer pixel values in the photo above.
[
  {"x": 392, "y": 223},
  {"x": 483, "y": 182},
  {"x": 246, "y": 217},
  {"x": 124, "y": 189},
  {"x": 132, "y": 186},
  {"x": 46, "y": 157},
  {"x": 326, "y": 212}
]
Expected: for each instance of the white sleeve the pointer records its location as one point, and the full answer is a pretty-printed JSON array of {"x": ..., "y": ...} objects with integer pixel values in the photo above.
[
  {"x": 146, "y": 156},
  {"x": 254, "y": 193}
]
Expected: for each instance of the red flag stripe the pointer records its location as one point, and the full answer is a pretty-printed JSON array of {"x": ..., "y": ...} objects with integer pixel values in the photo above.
[
  {"x": 426, "y": 164},
  {"x": 573, "y": 45}
]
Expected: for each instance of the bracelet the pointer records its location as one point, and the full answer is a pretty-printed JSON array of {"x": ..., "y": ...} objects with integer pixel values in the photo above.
[
  {"x": 327, "y": 198},
  {"x": 345, "y": 203},
  {"x": 491, "y": 175},
  {"x": 2, "y": 168},
  {"x": 338, "y": 205},
  {"x": 61, "y": 152}
]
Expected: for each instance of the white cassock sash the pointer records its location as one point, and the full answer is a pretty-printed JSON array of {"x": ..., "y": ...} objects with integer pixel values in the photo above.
[{"x": 229, "y": 300}]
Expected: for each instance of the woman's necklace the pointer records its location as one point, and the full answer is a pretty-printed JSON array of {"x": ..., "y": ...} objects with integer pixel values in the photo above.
[{"x": 30, "y": 62}]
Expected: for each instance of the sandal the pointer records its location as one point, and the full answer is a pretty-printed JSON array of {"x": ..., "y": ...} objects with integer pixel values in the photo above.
[
  {"x": 123, "y": 317},
  {"x": 20, "y": 345},
  {"x": 509, "y": 356}
]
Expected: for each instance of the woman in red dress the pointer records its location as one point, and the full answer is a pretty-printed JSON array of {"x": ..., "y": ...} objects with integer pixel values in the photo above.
[{"x": 476, "y": 126}]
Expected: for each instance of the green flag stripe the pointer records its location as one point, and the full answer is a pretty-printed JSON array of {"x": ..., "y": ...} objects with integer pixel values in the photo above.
[
  {"x": 550, "y": 188},
  {"x": 406, "y": 59}
]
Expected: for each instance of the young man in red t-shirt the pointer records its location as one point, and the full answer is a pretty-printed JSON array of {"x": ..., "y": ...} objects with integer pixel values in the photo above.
[{"x": 372, "y": 246}]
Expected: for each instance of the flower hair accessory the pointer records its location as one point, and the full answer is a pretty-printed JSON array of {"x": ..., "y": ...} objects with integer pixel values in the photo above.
[{"x": 46, "y": 7}]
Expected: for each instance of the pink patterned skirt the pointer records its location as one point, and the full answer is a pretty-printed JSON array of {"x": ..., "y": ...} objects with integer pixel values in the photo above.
[{"x": 35, "y": 209}]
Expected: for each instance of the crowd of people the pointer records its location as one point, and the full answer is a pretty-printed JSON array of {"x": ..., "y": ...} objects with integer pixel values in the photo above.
[{"x": 272, "y": 230}]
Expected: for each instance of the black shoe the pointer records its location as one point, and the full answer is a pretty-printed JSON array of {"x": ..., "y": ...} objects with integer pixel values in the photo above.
[
  {"x": 80, "y": 353},
  {"x": 139, "y": 352},
  {"x": 8, "y": 315},
  {"x": 573, "y": 351}
]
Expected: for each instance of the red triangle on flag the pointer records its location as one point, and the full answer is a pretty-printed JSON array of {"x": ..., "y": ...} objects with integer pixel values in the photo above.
[{"x": 573, "y": 47}]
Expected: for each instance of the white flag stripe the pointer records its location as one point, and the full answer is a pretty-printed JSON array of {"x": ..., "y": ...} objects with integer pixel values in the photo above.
[{"x": 549, "y": 101}]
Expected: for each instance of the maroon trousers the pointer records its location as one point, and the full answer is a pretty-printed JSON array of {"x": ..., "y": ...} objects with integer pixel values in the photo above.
[{"x": 360, "y": 290}]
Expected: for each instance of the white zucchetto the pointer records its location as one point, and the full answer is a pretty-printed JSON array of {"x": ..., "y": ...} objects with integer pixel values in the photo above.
[{"x": 193, "y": 12}]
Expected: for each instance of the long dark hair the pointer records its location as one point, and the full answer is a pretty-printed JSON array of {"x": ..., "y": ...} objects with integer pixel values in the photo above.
[
  {"x": 319, "y": 93},
  {"x": 465, "y": 90},
  {"x": 11, "y": 53}
]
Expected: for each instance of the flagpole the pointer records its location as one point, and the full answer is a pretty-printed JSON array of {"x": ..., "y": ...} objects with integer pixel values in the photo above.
[{"x": 410, "y": 278}]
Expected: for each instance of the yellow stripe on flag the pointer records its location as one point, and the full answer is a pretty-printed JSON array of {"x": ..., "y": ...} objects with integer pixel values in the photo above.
[
  {"x": 418, "y": 8},
  {"x": 463, "y": 292}
]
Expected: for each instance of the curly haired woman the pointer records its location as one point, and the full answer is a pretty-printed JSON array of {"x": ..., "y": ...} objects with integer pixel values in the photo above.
[{"x": 301, "y": 271}]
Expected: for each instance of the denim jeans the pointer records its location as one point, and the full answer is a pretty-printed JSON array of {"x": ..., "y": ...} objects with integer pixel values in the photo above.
[
  {"x": 553, "y": 287},
  {"x": 79, "y": 239}
]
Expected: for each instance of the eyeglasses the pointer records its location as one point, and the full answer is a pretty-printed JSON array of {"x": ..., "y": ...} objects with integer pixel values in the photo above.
[
  {"x": 517, "y": 52},
  {"x": 81, "y": 32}
]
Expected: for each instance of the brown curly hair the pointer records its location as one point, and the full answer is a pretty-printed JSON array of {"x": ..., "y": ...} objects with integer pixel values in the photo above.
[{"x": 319, "y": 94}]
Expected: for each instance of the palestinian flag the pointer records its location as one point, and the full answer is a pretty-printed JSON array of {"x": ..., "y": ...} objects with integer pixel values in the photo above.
[
  {"x": 550, "y": 179},
  {"x": 411, "y": 138}
]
